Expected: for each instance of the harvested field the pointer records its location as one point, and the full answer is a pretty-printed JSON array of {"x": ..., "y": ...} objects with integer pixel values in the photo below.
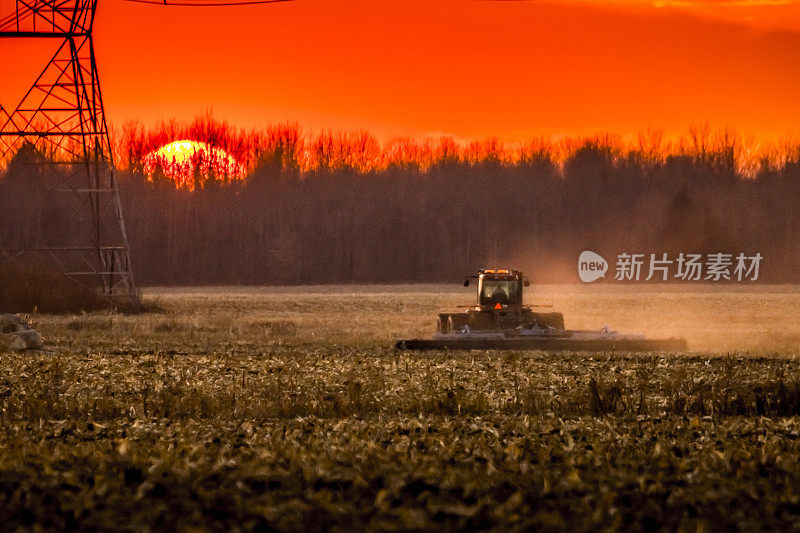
[{"x": 286, "y": 408}]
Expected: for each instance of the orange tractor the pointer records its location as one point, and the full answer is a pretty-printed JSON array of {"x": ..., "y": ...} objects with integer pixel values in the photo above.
[
  {"x": 499, "y": 306},
  {"x": 500, "y": 320}
]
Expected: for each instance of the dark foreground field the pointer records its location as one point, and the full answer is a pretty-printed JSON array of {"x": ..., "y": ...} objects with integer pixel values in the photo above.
[{"x": 287, "y": 409}]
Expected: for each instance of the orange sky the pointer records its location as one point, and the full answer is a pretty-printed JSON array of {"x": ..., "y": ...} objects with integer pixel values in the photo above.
[{"x": 465, "y": 68}]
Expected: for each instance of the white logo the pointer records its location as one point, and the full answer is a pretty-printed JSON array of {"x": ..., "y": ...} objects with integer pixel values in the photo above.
[{"x": 591, "y": 266}]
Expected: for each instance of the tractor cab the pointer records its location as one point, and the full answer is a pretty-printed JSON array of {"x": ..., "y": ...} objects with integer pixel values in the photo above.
[{"x": 499, "y": 288}]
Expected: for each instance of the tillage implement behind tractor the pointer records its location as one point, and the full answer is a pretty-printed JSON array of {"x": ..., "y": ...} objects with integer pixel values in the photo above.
[{"x": 499, "y": 320}]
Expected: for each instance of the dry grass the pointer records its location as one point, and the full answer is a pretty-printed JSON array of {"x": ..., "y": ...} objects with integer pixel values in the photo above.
[{"x": 287, "y": 408}]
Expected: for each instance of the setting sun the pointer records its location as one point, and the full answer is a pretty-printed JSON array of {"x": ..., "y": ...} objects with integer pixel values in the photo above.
[{"x": 186, "y": 161}]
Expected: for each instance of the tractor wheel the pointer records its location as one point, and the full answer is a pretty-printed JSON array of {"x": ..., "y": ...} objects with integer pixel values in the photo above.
[{"x": 455, "y": 323}]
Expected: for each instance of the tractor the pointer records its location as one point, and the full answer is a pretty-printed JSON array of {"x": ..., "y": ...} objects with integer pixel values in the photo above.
[
  {"x": 498, "y": 307},
  {"x": 500, "y": 321}
]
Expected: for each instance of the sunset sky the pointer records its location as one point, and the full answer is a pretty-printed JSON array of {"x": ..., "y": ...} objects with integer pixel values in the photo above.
[{"x": 463, "y": 68}]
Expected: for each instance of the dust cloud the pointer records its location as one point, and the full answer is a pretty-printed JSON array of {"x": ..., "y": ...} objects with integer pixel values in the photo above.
[{"x": 712, "y": 318}]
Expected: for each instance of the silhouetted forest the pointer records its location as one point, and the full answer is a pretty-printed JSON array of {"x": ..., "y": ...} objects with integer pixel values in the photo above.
[{"x": 343, "y": 208}]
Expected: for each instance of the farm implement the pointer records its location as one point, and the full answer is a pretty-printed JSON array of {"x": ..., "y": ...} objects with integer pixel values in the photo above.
[{"x": 499, "y": 321}]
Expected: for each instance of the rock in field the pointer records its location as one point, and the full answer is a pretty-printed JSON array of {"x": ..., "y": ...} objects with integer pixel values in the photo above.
[{"x": 16, "y": 334}]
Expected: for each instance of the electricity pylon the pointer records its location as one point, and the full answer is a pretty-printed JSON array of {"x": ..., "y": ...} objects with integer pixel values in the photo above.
[{"x": 62, "y": 116}]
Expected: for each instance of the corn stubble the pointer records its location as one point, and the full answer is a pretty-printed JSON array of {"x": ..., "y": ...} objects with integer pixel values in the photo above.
[{"x": 287, "y": 409}]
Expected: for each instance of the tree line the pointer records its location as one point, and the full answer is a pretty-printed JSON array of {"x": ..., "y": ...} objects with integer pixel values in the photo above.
[{"x": 344, "y": 210}]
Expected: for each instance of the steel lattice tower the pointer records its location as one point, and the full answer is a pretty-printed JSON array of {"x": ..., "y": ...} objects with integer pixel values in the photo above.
[{"x": 62, "y": 115}]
